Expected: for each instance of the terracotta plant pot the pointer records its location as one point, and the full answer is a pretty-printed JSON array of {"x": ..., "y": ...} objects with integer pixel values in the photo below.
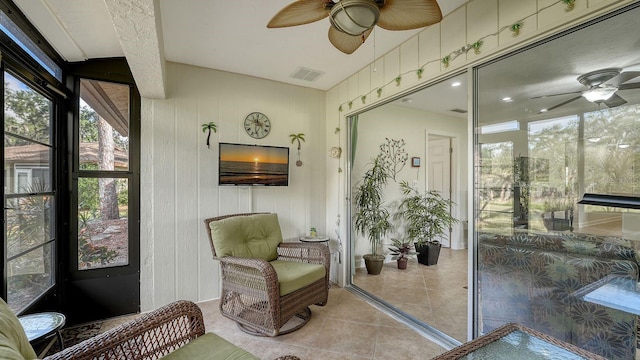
[{"x": 402, "y": 263}]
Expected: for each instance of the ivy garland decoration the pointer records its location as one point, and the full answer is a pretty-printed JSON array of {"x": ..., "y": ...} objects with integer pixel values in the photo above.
[
  {"x": 515, "y": 28},
  {"x": 571, "y": 4},
  {"x": 476, "y": 46},
  {"x": 445, "y": 61}
]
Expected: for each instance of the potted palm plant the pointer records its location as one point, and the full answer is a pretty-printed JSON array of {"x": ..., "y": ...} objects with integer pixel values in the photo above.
[
  {"x": 401, "y": 251},
  {"x": 427, "y": 216},
  {"x": 370, "y": 217}
]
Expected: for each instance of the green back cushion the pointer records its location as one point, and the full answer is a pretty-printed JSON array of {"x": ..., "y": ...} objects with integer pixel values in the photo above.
[
  {"x": 210, "y": 347},
  {"x": 253, "y": 236},
  {"x": 13, "y": 341}
]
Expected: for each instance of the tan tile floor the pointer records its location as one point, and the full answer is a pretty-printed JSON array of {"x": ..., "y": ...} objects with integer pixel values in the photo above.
[
  {"x": 434, "y": 294},
  {"x": 350, "y": 328},
  {"x": 346, "y": 328}
]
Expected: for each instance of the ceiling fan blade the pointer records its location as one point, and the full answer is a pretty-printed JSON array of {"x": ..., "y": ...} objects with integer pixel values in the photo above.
[
  {"x": 615, "y": 100},
  {"x": 345, "y": 42},
  {"x": 409, "y": 14},
  {"x": 563, "y": 103},
  {"x": 623, "y": 78},
  {"x": 629, "y": 86},
  {"x": 550, "y": 95},
  {"x": 299, "y": 13}
]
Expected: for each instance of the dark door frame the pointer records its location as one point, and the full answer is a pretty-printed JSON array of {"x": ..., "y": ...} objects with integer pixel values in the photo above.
[{"x": 111, "y": 291}]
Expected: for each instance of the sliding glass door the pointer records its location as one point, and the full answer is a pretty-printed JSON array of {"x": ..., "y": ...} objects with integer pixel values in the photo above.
[
  {"x": 548, "y": 257},
  {"x": 423, "y": 143}
]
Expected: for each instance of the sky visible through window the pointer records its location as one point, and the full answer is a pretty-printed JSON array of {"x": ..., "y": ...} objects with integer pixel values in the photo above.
[{"x": 10, "y": 29}]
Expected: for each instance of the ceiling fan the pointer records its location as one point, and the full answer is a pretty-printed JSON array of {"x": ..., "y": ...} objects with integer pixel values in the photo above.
[
  {"x": 602, "y": 86},
  {"x": 353, "y": 20}
]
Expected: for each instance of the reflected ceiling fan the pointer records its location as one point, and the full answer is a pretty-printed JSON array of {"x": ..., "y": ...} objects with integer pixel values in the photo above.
[
  {"x": 602, "y": 86},
  {"x": 353, "y": 20}
]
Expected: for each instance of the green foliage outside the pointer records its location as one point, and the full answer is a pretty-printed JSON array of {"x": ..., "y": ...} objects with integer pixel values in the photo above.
[
  {"x": 26, "y": 114},
  {"x": 90, "y": 255},
  {"x": 608, "y": 151}
]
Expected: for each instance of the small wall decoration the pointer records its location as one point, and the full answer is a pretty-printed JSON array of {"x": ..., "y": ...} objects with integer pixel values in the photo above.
[
  {"x": 415, "y": 162},
  {"x": 210, "y": 126},
  {"x": 297, "y": 137},
  {"x": 335, "y": 152},
  {"x": 394, "y": 156},
  {"x": 257, "y": 125}
]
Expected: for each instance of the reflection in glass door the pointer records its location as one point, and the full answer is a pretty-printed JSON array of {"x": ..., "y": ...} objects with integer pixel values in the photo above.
[
  {"x": 545, "y": 259},
  {"x": 29, "y": 197},
  {"x": 431, "y": 298}
]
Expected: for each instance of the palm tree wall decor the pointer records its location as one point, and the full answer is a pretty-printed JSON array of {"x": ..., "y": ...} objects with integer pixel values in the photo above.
[
  {"x": 210, "y": 126},
  {"x": 297, "y": 137}
]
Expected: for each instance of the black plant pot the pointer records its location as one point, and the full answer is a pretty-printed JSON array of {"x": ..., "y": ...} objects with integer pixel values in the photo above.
[{"x": 428, "y": 253}]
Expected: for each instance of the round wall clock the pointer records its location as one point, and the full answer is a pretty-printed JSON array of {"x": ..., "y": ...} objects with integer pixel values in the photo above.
[{"x": 257, "y": 125}]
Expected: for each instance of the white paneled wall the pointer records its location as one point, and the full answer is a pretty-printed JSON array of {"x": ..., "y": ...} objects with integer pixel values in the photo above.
[
  {"x": 179, "y": 173},
  {"x": 478, "y": 19}
]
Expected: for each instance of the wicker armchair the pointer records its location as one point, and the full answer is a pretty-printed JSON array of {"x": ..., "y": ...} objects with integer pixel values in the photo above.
[
  {"x": 149, "y": 336},
  {"x": 265, "y": 281}
]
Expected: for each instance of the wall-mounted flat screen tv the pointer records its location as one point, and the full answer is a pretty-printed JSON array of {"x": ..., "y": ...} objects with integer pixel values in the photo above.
[{"x": 248, "y": 165}]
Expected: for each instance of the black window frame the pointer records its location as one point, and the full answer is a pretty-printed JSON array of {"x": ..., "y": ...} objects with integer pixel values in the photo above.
[{"x": 17, "y": 61}]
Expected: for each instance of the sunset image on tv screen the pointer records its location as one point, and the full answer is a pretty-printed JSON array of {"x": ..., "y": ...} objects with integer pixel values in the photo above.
[{"x": 253, "y": 165}]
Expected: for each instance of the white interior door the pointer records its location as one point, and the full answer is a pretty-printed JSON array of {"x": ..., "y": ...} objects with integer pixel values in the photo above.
[{"x": 439, "y": 173}]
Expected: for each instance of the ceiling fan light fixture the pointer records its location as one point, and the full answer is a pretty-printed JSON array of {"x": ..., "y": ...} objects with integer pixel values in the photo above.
[
  {"x": 354, "y": 17},
  {"x": 600, "y": 93}
]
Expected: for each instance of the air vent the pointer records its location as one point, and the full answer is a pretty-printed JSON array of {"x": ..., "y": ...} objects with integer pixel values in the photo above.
[
  {"x": 460, "y": 111},
  {"x": 306, "y": 74}
]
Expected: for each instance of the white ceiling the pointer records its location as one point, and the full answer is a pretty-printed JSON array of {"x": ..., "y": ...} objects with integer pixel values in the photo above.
[{"x": 228, "y": 35}]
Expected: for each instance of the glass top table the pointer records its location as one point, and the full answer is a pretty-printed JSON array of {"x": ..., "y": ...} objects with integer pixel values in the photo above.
[
  {"x": 41, "y": 326},
  {"x": 513, "y": 341},
  {"x": 315, "y": 239},
  {"x": 617, "y": 292}
]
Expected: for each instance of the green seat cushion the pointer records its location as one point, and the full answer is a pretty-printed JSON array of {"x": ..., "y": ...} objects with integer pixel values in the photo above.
[
  {"x": 13, "y": 341},
  {"x": 295, "y": 275},
  {"x": 253, "y": 236},
  {"x": 210, "y": 347}
]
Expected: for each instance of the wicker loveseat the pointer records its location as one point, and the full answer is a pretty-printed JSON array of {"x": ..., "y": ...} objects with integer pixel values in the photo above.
[
  {"x": 537, "y": 279},
  {"x": 175, "y": 331},
  {"x": 265, "y": 281}
]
